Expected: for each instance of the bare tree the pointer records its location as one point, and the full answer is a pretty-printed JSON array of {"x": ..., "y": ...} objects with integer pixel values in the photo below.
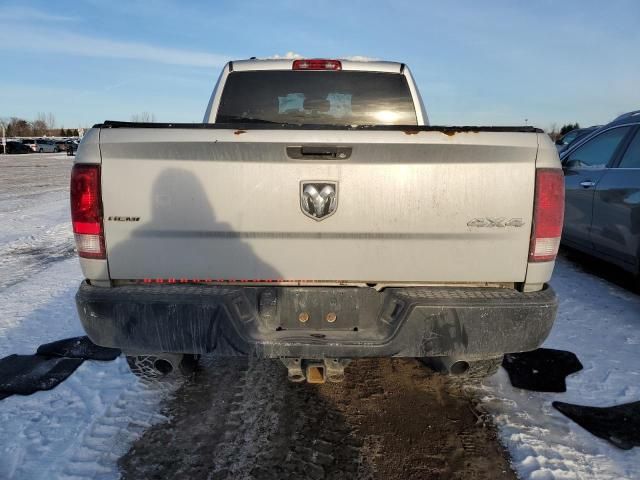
[
  {"x": 144, "y": 117},
  {"x": 39, "y": 125},
  {"x": 51, "y": 121},
  {"x": 38, "y": 128},
  {"x": 19, "y": 127}
]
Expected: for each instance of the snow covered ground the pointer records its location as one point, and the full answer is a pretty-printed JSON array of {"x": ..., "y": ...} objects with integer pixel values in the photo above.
[
  {"x": 600, "y": 323},
  {"x": 79, "y": 429}
]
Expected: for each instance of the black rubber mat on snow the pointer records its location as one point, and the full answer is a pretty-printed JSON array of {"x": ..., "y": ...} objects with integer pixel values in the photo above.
[
  {"x": 78, "y": 347},
  {"x": 542, "y": 370},
  {"x": 52, "y": 364},
  {"x": 619, "y": 424},
  {"x": 27, "y": 374}
]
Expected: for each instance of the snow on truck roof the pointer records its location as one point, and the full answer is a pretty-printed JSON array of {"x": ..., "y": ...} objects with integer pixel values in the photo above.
[{"x": 288, "y": 64}]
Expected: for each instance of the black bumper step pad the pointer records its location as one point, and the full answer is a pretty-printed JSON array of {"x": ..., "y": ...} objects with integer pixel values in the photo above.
[
  {"x": 52, "y": 364},
  {"x": 542, "y": 370},
  {"x": 27, "y": 374},
  {"x": 78, "y": 347},
  {"x": 619, "y": 424}
]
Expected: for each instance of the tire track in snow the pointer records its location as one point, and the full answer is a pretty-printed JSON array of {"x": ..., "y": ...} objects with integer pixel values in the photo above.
[
  {"x": 109, "y": 435},
  {"x": 28, "y": 256},
  {"x": 79, "y": 429},
  {"x": 240, "y": 419},
  {"x": 40, "y": 309},
  {"x": 251, "y": 423}
]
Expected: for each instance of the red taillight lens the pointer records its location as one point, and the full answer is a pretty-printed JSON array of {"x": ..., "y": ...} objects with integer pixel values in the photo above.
[
  {"x": 317, "y": 64},
  {"x": 86, "y": 211},
  {"x": 548, "y": 215}
]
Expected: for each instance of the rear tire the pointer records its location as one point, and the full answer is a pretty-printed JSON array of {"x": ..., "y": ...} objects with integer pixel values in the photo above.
[
  {"x": 481, "y": 369},
  {"x": 162, "y": 366}
]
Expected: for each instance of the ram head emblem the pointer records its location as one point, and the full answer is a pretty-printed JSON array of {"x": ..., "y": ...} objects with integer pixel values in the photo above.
[{"x": 319, "y": 200}]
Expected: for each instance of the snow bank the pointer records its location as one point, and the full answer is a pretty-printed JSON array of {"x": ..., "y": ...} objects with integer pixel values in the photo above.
[
  {"x": 600, "y": 323},
  {"x": 80, "y": 428}
]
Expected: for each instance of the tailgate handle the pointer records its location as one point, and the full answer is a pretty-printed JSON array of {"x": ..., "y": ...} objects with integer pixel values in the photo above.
[{"x": 319, "y": 152}]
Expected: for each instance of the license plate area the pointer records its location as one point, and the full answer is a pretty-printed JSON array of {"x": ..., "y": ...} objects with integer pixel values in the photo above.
[{"x": 320, "y": 309}]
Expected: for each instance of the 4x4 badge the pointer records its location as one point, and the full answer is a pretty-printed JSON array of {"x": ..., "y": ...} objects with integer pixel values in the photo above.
[
  {"x": 318, "y": 199},
  {"x": 493, "y": 222}
]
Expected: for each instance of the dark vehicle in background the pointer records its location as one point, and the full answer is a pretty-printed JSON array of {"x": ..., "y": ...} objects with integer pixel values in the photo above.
[
  {"x": 576, "y": 134},
  {"x": 62, "y": 145},
  {"x": 31, "y": 143},
  {"x": 72, "y": 146},
  {"x": 602, "y": 193},
  {"x": 14, "y": 147},
  {"x": 66, "y": 144}
]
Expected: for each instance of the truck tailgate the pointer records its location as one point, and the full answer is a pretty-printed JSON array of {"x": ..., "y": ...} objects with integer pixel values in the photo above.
[{"x": 412, "y": 207}]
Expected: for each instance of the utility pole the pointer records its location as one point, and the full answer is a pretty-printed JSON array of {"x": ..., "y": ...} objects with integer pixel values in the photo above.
[{"x": 4, "y": 139}]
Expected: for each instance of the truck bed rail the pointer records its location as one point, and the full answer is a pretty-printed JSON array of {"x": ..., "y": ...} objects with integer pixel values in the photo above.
[{"x": 408, "y": 129}]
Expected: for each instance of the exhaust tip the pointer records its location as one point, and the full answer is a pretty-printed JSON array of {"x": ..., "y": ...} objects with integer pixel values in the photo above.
[
  {"x": 316, "y": 374},
  {"x": 459, "y": 368},
  {"x": 163, "y": 366}
]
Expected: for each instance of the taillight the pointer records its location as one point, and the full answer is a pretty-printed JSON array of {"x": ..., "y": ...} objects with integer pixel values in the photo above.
[
  {"x": 548, "y": 215},
  {"x": 317, "y": 64},
  {"x": 86, "y": 211}
]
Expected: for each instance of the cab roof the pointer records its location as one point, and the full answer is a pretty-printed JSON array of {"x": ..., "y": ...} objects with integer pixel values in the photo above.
[{"x": 287, "y": 64}]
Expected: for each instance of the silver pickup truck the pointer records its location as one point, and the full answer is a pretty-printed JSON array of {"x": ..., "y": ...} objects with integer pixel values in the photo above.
[{"x": 315, "y": 216}]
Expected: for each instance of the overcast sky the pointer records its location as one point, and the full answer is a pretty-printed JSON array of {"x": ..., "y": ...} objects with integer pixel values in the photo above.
[{"x": 488, "y": 62}]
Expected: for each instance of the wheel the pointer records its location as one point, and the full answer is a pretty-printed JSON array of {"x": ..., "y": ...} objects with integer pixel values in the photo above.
[
  {"x": 40, "y": 151},
  {"x": 56, "y": 150},
  {"x": 481, "y": 369},
  {"x": 162, "y": 366}
]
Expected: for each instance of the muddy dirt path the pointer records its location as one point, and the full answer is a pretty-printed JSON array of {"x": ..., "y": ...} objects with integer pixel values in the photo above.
[{"x": 390, "y": 419}]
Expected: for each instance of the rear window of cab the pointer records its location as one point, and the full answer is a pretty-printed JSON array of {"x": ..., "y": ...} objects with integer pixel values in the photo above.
[{"x": 339, "y": 98}]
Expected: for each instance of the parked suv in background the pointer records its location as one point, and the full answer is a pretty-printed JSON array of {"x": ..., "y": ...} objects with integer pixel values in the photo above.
[
  {"x": 574, "y": 135},
  {"x": 46, "y": 146},
  {"x": 602, "y": 184}
]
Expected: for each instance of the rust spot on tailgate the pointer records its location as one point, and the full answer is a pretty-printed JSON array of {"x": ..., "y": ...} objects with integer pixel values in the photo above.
[
  {"x": 448, "y": 131},
  {"x": 239, "y": 132}
]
